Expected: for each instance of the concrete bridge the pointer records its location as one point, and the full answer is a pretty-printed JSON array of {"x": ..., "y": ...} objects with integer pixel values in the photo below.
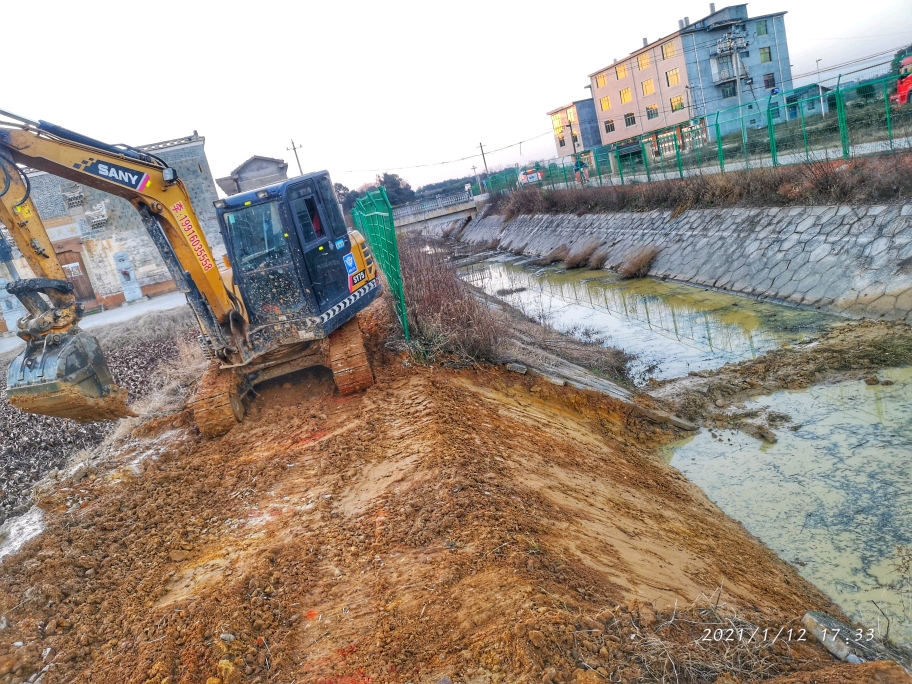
[{"x": 437, "y": 210}]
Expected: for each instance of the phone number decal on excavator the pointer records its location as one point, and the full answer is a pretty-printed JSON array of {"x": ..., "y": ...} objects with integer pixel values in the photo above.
[{"x": 190, "y": 232}]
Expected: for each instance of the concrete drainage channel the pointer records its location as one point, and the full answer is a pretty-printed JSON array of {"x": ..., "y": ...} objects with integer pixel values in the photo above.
[{"x": 829, "y": 496}]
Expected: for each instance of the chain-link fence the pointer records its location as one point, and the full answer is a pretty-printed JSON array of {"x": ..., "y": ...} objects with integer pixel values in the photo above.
[
  {"x": 373, "y": 217},
  {"x": 806, "y": 124}
]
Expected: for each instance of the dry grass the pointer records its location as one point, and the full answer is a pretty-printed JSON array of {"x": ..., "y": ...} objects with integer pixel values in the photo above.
[
  {"x": 871, "y": 180},
  {"x": 638, "y": 265},
  {"x": 557, "y": 254},
  {"x": 599, "y": 258},
  {"x": 446, "y": 320},
  {"x": 579, "y": 259}
]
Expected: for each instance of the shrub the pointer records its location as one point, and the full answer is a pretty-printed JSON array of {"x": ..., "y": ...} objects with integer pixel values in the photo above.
[
  {"x": 555, "y": 255},
  {"x": 638, "y": 266},
  {"x": 865, "y": 180},
  {"x": 445, "y": 317}
]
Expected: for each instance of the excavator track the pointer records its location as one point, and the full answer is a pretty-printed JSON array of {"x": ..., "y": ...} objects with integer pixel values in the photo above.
[
  {"x": 348, "y": 359},
  {"x": 218, "y": 405}
]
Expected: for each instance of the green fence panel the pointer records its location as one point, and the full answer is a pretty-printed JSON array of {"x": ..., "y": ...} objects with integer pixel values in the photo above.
[{"x": 373, "y": 217}]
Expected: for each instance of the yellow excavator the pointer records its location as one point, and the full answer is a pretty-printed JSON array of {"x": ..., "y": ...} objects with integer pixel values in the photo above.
[{"x": 286, "y": 298}]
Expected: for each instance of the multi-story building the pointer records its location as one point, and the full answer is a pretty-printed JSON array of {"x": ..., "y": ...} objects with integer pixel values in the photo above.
[
  {"x": 575, "y": 127},
  {"x": 101, "y": 241},
  {"x": 682, "y": 80}
]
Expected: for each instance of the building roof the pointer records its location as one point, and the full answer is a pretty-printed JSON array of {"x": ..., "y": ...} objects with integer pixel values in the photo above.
[
  {"x": 567, "y": 106},
  {"x": 280, "y": 162}
]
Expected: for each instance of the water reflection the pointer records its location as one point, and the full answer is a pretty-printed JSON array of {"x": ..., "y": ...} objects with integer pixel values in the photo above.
[
  {"x": 672, "y": 328},
  {"x": 832, "y": 495}
]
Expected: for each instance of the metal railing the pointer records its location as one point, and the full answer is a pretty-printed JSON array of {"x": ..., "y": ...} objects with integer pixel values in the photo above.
[
  {"x": 373, "y": 218},
  {"x": 429, "y": 205},
  {"x": 794, "y": 127}
]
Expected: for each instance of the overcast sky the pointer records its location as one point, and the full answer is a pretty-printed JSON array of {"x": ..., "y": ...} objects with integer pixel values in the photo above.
[{"x": 363, "y": 85}]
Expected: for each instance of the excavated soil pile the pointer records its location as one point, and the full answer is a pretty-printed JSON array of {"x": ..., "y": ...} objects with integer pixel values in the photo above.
[
  {"x": 34, "y": 445},
  {"x": 468, "y": 524}
]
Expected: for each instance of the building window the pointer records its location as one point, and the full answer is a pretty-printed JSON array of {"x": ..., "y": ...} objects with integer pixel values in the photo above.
[
  {"x": 648, "y": 87},
  {"x": 561, "y": 141},
  {"x": 809, "y": 105},
  {"x": 761, "y": 28},
  {"x": 677, "y": 102},
  {"x": 774, "y": 110},
  {"x": 668, "y": 50},
  {"x": 630, "y": 119},
  {"x": 652, "y": 112},
  {"x": 643, "y": 61},
  {"x": 571, "y": 115},
  {"x": 605, "y": 103},
  {"x": 609, "y": 126},
  {"x": 766, "y": 55},
  {"x": 626, "y": 96},
  {"x": 673, "y": 77},
  {"x": 621, "y": 71},
  {"x": 556, "y": 123},
  {"x": 769, "y": 80},
  {"x": 600, "y": 80},
  {"x": 744, "y": 55},
  {"x": 729, "y": 89}
]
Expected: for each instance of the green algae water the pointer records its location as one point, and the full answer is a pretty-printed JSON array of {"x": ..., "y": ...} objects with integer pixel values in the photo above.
[
  {"x": 672, "y": 328},
  {"x": 833, "y": 495}
]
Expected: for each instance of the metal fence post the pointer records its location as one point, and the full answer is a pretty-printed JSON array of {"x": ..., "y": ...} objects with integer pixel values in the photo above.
[
  {"x": 617, "y": 155},
  {"x": 771, "y": 132},
  {"x": 719, "y": 149},
  {"x": 889, "y": 120},
  {"x": 674, "y": 133},
  {"x": 804, "y": 132},
  {"x": 645, "y": 161},
  {"x": 841, "y": 116}
]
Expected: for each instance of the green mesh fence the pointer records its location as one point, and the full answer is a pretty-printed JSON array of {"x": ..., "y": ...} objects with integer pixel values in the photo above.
[
  {"x": 798, "y": 126},
  {"x": 373, "y": 217}
]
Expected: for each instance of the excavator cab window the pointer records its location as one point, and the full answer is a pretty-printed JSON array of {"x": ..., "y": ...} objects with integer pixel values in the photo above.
[{"x": 263, "y": 260}]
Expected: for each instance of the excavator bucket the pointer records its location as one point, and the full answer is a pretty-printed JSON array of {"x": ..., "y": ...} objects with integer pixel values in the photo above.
[{"x": 66, "y": 376}]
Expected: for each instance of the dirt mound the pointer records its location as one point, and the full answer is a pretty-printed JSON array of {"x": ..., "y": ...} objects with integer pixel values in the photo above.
[
  {"x": 866, "y": 673},
  {"x": 468, "y": 524}
]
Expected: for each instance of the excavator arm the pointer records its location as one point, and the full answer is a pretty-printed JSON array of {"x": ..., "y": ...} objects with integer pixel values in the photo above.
[{"x": 62, "y": 372}]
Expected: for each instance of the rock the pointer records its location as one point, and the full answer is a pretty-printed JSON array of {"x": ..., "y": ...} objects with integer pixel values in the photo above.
[
  {"x": 228, "y": 638},
  {"x": 549, "y": 675},
  {"x": 558, "y": 381},
  {"x": 213, "y": 680},
  {"x": 228, "y": 673},
  {"x": 872, "y": 381},
  {"x": 516, "y": 368},
  {"x": 537, "y": 638},
  {"x": 445, "y": 680},
  {"x": 886, "y": 382},
  {"x": 179, "y": 556},
  {"x": 720, "y": 403},
  {"x": 536, "y": 388}
]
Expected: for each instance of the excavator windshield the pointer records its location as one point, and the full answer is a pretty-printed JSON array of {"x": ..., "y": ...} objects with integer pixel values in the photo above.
[{"x": 263, "y": 259}]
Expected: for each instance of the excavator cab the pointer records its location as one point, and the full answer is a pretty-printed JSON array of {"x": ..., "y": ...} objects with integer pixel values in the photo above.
[{"x": 293, "y": 261}]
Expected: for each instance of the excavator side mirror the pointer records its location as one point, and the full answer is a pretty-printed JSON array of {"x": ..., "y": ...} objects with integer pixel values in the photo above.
[{"x": 169, "y": 175}]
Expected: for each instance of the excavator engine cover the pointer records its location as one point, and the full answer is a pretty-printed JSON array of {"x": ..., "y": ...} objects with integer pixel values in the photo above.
[{"x": 65, "y": 376}]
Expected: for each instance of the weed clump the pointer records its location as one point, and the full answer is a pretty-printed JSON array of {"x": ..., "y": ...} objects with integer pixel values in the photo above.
[
  {"x": 446, "y": 320},
  {"x": 581, "y": 258},
  {"x": 638, "y": 265},
  {"x": 598, "y": 258}
]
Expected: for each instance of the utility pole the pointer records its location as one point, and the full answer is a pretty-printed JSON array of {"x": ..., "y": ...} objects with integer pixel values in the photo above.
[
  {"x": 300, "y": 170},
  {"x": 572, "y": 139},
  {"x": 476, "y": 177},
  {"x": 481, "y": 147},
  {"x": 820, "y": 89}
]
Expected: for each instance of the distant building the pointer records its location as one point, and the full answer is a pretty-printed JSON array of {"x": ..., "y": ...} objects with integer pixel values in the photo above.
[
  {"x": 92, "y": 231},
  {"x": 682, "y": 80},
  {"x": 575, "y": 127},
  {"x": 254, "y": 173},
  {"x": 809, "y": 100}
]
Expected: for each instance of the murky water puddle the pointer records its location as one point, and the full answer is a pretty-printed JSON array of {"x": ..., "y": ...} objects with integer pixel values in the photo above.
[
  {"x": 672, "y": 328},
  {"x": 832, "y": 496}
]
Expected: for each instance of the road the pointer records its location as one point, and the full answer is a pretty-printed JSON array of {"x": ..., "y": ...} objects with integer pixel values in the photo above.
[{"x": 172, "y": 300}]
